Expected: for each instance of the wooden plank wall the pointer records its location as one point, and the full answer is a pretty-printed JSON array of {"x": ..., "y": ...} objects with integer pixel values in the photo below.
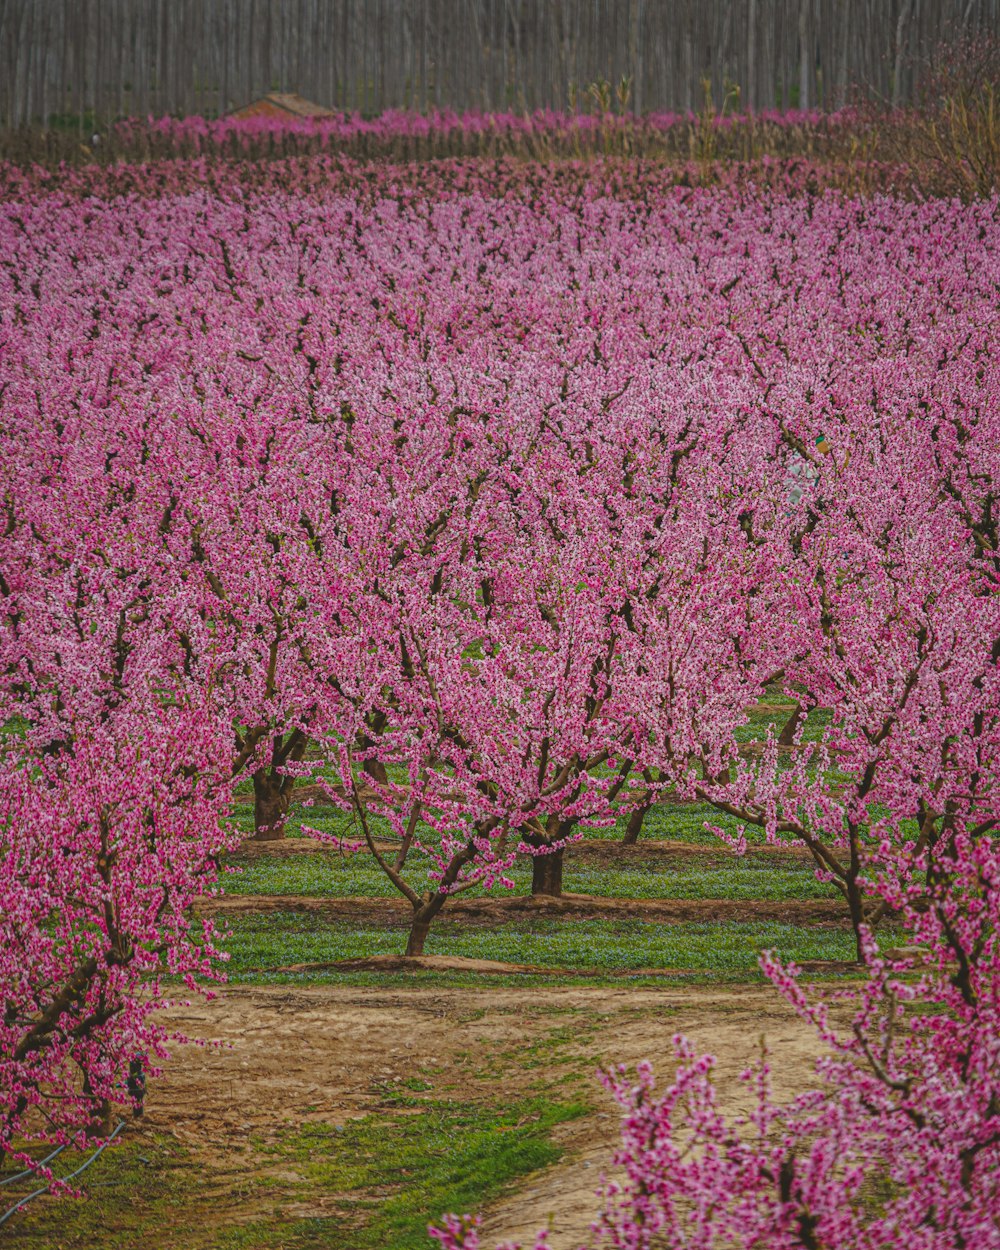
[{"x": 111, "y": 58}]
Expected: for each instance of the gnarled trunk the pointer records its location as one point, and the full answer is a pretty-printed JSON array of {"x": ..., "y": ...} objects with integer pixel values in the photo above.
[
  {"x": 421, "y": 924},
  {"x": 787, "y": 736},
  {"x": 547, "y": 874},
  {"x": 634, "y": 826},
  {"x": 271, "y": 797},
  {"x": 272, "y": 786},
  {"x": 101, "y": 1114},
  {"x": 417, "y": 936},
  {"x": 376, "y": 770},
  {"x": 426, "y": 909}
]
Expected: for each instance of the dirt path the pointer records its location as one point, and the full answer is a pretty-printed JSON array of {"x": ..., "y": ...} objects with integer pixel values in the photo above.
[
  {"x": 379, "y": 912},
  {"x": 727, "y": 1024},
  {"x": 327, "y": 1053},
  {"x": 209, "y": 1162},
  {"x": 587, "y": 850}
]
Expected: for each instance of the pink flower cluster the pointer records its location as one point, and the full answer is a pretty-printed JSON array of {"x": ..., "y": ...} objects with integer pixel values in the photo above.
[
  {"x": 104, "y": 844},
  {"x": 200, "y": 134},
  {"x": 508, "y": 491},
  {"x": 327, "y": 174}
]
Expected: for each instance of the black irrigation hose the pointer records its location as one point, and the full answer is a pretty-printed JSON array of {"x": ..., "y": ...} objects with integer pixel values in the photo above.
[
  {"x": 45, "y": 1188},
  {"x": 19, "y": 1176}
]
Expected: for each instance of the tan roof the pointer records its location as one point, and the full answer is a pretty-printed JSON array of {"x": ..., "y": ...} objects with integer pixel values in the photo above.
[{"x": 280, "y": 103}]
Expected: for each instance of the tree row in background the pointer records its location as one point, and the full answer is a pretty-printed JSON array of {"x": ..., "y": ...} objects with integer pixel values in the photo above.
[{"x": 90, "y": 61}]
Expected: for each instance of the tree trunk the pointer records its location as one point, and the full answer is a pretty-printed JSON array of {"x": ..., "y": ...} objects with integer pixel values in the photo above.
[
  {"x": 749, "y": 100},
  {"x": 418, "y": 935},
  {"x": 270, "y": 805},
  {"x": 420, "y": 927},
  {"x": 897, "y": 64},
  {"x": 100, "y": 1119},
  {"x": 787, "y": 736},
  {"x": 424, "y": 910},
  {"x": 858, "y": 948},
  {"x": 806, "y": 53},
  {"x": 136, "y": 1086},
  {"x": 376, "y": 770},
  {"x": 855, "y": 904},
  {"x": 546, "y": 874},
  {"x": 634, "y": 826}
]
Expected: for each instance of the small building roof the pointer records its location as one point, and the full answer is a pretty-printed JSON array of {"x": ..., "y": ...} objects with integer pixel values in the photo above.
[{"x": 282, "y": 104}]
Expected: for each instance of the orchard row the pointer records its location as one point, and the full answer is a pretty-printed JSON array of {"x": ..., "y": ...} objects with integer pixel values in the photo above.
[{"x": 496, "y": 516}]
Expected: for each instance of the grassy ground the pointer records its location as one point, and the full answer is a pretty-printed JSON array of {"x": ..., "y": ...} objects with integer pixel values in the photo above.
[
  {"x": 440, "y": 1156},
  {"x": 668, "y": 822},
  {"x": 334, "y": 876},
  {"x": 349, "y": 1117},
  {"x": 263, "y": 945},
  {"x": 389, "y": 1173},
  {"x": 452, "y": 1127}
]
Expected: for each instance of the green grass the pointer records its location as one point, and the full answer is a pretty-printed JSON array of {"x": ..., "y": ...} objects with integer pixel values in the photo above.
[
  {"x": 665, "y": 822},
  {"x": 674, "y": 822},
  {"x": 262, "y": 942},
  {"x": 757, "y": 878},
  {"x": 334, "y": 876},
  {"x": 441, "y": 1156},
  {"x": 133, "y": 1190},
  {"x": 391, "y": 1174},
  {"x": 755, "y": 730}
]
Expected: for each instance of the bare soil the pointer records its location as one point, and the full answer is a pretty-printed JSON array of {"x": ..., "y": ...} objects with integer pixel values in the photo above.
[
  {"x": 276, "y": 1058},
  {"x": 603, "y": 851},
  {"x": 289, "y": 1056},
  {"x": 587, "y": 850},
  {"x": 374, "y": 912}
]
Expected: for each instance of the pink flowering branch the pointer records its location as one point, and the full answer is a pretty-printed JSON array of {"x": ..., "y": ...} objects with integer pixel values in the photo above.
[{"x": 103, "y": 850}]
